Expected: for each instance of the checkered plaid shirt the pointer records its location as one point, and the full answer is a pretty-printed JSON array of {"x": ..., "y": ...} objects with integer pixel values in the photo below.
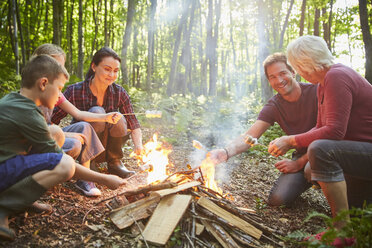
[{"x": 116, "y": 99}]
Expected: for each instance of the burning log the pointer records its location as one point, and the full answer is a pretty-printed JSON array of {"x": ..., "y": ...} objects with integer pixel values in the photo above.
[
  {"x": 179, "y": 188},
  {"x": 142, "y": 190}
]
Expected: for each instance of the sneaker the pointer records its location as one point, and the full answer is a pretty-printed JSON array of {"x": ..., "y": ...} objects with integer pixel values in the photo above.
[{"x": 88, "y": 188}]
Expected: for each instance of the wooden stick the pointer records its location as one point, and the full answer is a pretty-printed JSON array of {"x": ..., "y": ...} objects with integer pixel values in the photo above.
[
  {"x": 220, "y": 234},
  {"x": 142, "y": 190}
]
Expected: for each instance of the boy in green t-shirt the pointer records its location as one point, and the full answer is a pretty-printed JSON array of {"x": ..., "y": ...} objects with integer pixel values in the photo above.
[{"x": 30, "y": 160}]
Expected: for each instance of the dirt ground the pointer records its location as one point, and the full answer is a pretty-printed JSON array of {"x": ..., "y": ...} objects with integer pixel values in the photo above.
[{"x": 78, "y": 221}]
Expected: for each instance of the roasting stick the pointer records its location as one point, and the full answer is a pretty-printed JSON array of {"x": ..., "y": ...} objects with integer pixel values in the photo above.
[
  {"x": 252, "y": 141},
  {"x": 148, "y": 114}
]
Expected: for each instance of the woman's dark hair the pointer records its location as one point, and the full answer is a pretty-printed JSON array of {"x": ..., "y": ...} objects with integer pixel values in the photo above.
[{"x": 98, "y": 57}]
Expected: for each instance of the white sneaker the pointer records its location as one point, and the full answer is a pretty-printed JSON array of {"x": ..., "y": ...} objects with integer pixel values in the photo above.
[{"x": 88, "y": 188}]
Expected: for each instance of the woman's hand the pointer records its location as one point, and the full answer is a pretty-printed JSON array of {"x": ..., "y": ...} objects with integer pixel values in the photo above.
[
  {"x": 113, "y": 117},
  {"x": 138, "y": 150},
  {"x": 288, "y": 166},
  {"x": 280, "y": 146},
  {"x": 79, "y": 136}
]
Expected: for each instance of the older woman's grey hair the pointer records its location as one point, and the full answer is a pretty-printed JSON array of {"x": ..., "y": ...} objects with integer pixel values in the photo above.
[{"x": 309, "y": 53}]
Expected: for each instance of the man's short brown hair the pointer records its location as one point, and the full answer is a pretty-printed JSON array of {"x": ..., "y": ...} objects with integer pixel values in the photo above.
[
  {"x": 275, "y": 58},
  {"x": 41, "y": 66}
]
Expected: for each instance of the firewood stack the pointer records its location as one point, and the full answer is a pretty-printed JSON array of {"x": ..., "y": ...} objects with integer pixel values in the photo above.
[{"x": 195, "y": 208}]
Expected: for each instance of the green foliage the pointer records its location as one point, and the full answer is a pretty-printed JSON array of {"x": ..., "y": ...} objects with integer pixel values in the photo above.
[
  {"x": 260, "y": 204},
  {"x": 176, "y": 238},
  {"x": 8, "y": 84},
  {"x": 359, "y": 227}
]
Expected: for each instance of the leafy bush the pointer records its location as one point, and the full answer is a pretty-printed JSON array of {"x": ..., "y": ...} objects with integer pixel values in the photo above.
[{"x": 359, "y": 227}]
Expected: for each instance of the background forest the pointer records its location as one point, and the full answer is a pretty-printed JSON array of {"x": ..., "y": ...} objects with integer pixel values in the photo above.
[
  {"x": 193, "y": 47},
  {"x": 200, "y": 63}
]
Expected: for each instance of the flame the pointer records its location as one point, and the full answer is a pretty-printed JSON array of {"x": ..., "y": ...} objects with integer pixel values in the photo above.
[
  {"x": 208, "y": 170},
  {"x": 154, "y": 159}
]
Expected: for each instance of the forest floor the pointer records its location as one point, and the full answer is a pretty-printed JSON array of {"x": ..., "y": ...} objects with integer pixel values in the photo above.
[{"x": 78, "y": 221}]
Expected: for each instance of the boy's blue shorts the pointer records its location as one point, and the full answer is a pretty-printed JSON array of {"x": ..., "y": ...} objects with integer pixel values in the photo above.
[{"x": 20, "y": 166}]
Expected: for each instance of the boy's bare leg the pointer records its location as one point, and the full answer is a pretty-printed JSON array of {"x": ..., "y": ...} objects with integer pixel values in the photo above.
[{"x": 61, "y": 173}]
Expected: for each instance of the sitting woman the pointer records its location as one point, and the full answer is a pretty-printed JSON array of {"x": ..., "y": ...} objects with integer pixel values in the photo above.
[
  {"x": 340, "y": 145},
  {"x": 79, "y": 140},
  {"x": 99, "y": 94}
]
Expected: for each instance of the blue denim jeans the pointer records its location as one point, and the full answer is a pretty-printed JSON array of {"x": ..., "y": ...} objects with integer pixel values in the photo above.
[
  {"x": 343, "y": 160},
  {"x": 288, "y": 187},
  {"x": 73, "y": 147}
]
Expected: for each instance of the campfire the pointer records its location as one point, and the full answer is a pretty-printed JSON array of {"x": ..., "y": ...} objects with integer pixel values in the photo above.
[{"x": 189, "y": 198}]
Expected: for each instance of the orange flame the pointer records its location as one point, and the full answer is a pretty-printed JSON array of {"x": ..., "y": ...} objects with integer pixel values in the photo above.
[
  {"x": 154, "y": 159},
  {"x": 208, "y": 171}
]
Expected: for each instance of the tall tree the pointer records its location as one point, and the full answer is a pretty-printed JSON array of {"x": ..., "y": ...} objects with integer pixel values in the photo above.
[
  {"x": 302, "y": 19},
  {"x": 177, "y": 41},
  {"x": 126, "y": 39},
  {"x": 57, "y": 15},
  {"x": 19, "y": 25},
  {"x": 284, "y": 28},
  {"x": 367, "y": 39},
  {"x": 151, "y": 44},
  {"x": 263, "y": 50},
  {"x": 316, "y": 21},
  {"x": 214, "y": 9},
  {"x": 80, "y": 65},
  {"x": 12, "y": 6}
]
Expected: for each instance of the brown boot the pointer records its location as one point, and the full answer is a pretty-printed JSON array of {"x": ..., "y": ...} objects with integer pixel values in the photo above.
[
  {"x": 117, "y": 168},
  {"x": 15, "y": 199}
]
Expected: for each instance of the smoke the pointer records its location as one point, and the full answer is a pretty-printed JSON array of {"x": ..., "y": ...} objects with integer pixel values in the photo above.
[{"x": 224, "y": 120}]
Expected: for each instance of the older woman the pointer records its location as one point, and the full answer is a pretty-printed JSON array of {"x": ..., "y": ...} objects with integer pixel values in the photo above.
[
  {"x": 99, "y": 94},
  {"x": 340, "y": 145}
]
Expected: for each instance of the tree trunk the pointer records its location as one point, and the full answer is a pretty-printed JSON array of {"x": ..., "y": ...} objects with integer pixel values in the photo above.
[
  {"x": 186, "y": 54},
  {"x": 56, "y": 22},
  {"x": 136, "y": 79},
  {"x": 15, "y": 35},
  {"x": 327, "y": 24},
  {"x": 285, "y": 25},
  {"x": 367, "y": 39},
  {"x": 263, "y": 51},
  {"x": 24, "y": 59},
  {"x": 231, "y": 35},
  {"x": 302, "y": 20},
  {"x": 316, "y": 22},
  {"x": 211, "y": 45},
  {"x": 80, "y": 66},
  {"x": 126, "y": 39},
  {"x": 105, "y": 29},
  {"x": 151, "y": 44},
  {"x": 69, "y": 35},
  {"x": 177, "y": 40}
]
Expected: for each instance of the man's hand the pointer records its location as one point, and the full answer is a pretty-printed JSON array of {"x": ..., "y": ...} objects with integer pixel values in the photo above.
[
  {"x": 79, "y": 136},
  {"x": 113, "y": 117},
  {"x": 280, "y": 146},
  {"x": 113, "y": 181},
  {"x": 218, "y": 156},
  {"x": 288, "y": 166}
]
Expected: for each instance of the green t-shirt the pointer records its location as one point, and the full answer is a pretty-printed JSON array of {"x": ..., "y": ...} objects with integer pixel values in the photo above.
[{"x": 23, "y": 129}]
